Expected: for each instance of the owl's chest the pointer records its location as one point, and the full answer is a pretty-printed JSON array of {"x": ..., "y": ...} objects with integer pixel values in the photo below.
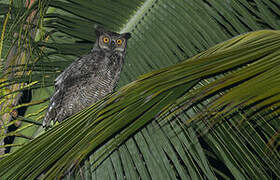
[
  {"x": 98, "y": 79},
  {"x": 110, "y": 67},
  {"x": 104, "y": 72},
  {"x": 99, "y": 84}
]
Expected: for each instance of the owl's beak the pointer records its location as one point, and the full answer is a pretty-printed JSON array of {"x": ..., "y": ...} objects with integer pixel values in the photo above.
[{"x": 113, "y": 44}]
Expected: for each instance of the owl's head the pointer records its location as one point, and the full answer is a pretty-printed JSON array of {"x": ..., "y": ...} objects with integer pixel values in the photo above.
[{"x": 111, "y": 41}]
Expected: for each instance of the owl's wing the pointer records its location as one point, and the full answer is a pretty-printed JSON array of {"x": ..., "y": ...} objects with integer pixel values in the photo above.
[
  {"x": 70, "y": 72},
  {"x": 65, "y": 80}
]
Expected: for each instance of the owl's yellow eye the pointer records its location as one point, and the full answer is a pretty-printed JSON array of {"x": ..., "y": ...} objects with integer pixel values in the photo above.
[
  {"x": 105, "y": 39},
  {"x": 119, "y": 41}
]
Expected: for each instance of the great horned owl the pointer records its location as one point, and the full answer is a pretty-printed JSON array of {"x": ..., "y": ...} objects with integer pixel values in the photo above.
[{"x": 89, "y": 78}]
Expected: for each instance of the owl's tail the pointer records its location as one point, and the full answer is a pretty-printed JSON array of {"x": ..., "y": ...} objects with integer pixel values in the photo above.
[
  {"x": 52, "y": 109},
  {"x": 56, "y": 110},
  {"x": 50, "y": 115}
]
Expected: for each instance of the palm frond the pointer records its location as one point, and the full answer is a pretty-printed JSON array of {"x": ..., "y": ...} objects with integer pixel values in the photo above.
[{"x": 107, "y": 124}]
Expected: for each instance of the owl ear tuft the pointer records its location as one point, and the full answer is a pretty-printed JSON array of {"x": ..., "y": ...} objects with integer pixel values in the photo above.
[
  {"x": 99, "y": 30},
  {"x": 127, "y": 35}
]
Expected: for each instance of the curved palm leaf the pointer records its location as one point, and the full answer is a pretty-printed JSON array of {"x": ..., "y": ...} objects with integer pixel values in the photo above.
[{"x": 107, "y": 124}]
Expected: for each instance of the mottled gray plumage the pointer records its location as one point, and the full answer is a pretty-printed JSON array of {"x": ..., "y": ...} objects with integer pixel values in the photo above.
[{"x": 89, "y": 78}]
